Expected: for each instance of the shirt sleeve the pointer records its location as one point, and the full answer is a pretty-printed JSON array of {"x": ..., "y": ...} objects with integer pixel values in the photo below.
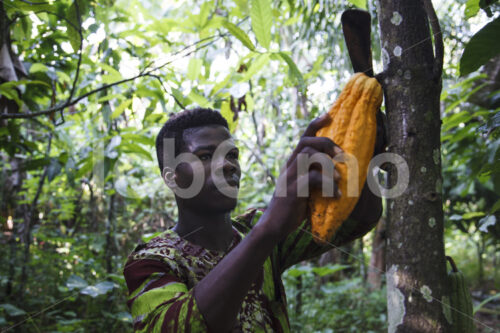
[
  {"x": 300, "y": 244},
  {"x": 158, "y": 299}
]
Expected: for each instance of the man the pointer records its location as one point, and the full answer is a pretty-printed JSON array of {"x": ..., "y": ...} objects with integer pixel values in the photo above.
[{"x": 212, "y": 273}]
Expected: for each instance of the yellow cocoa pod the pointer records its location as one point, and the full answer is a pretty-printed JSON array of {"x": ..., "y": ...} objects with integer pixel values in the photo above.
[{"x": 353, "y": 128}]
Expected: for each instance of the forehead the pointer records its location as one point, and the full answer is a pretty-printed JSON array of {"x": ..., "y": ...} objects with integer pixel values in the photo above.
[{"x": 205, "y": 136}]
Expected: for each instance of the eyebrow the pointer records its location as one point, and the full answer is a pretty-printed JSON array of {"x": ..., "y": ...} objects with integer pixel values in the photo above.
[{"x": 210, "y": 148}]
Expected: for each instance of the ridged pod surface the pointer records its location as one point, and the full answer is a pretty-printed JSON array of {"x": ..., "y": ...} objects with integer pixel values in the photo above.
[
  {"x": 353, "y": 128},
  {"x": 460, "y": 301}
]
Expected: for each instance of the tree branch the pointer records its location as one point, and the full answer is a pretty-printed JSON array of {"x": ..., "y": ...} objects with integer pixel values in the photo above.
[
  {"x": 72, "y": 92},
  {"x": 261, "y": 162},
  {"x": 42, "y": 179},
  {"x": 165, "y": 89},
  {"x": 34, "y": 3},
  {"x": 438, "y": 39},
  {"x": 62, "y": 106}
]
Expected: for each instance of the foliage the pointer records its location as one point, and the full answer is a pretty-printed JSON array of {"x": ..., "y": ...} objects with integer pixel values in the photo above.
[
  {"x": 341, "y": 306},
  {"x": 80, "y": 185},
  {"x": 481, "y": 48}
]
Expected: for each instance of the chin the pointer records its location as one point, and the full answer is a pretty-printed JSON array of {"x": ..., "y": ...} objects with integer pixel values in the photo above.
[{"x": 222, "y": 205}]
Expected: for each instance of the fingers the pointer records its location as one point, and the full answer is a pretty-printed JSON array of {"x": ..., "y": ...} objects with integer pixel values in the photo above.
[
  {"x": 316, "y": 180},
  {"x": 318, "y": 144},
  {"x": 316, "y": 124},
  {"x": 328, "y": 186},
  {"x": 318, "y": 168},
  {"x": 310, "y": 158}
]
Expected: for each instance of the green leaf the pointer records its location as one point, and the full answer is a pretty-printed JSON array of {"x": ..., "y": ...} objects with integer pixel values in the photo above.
[
  {"x": 12, "y": 310},
  {"x": 123, "y": 188},
  {"x": 128, "y": 147},
  {"x": 12, "y": 84},
  {"x": 495, "y": 207},
  {"x": 471, "y": 215},
  {"x": 482, "y": 47},
  {"x": 112, "y": 71},
  {"x": 11, "y": 93},
  {"x": 36, "y": 68},
  {"x": 76, "y": 282},
  {"x": 99, "y": 289},
  {"x": 120, "y": 108},
  {"x": 256, "y": 66},
  {"x": 203, "y": 16},
  {"x": 471, "y": 8},
  {"x": 240, "y": 34},
  {"x": 163, "y": 25},
  {"x": 298, "y": 271},
  {"x": 200, "y": 100},
  {"x": 329, "y": 269},
  {"x": 76, "y": 20},
  {"x": 137, "y": 138},
  {"x": 27, "y": 7},
  {"x": 294, "y": 71},
  {"x": 147, "y": 237},
  {"x": 53, "y": 169},
  {"x": 486, "y": 222},
  {"x": 109, "y": 97},
  {"x": 359, "y": 3},
  {"x": 124, "y": 316},
  {"x": 221, "y": 84},
  {"x": 487, "y": 300},
  {"x": 35, "y": 164},
  {"x": 455, "y": 119},
  {"x": 85, "y": 167},
  {"x": 262, "y": 20},
  {"x": 194, "y": 68},
  {"x": 63, "y": 77},
  {"x": 227, "y": 113},
  {"x": 74, "y": 16}
]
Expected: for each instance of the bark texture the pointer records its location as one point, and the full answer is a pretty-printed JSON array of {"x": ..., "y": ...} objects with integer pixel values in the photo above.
[
  {"x": 377, "y": 260},
  {"x": 416, "y": 266}
]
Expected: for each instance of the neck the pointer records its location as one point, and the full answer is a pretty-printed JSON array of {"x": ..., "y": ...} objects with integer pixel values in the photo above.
[{"x": 213, "y": 232}]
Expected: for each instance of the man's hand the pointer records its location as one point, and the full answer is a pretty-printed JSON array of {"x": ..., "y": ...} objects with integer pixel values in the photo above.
[{"x": 302, "y": 174}]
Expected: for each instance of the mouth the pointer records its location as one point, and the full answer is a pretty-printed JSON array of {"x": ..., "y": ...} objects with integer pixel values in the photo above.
[{"x": 233, "y": 182}]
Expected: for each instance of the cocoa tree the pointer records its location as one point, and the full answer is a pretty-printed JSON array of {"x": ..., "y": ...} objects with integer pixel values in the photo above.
[{"x": 416, "y": 266}]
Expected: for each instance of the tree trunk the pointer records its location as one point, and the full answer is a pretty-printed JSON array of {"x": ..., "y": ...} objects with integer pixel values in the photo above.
[
  {"x": 331, "y": 257},
  {"x": 362, "y": 265},
  {"x": 110, "y": 228},
  {"x": 416, "y": 266},
  {"x": 377, "y": 260}
]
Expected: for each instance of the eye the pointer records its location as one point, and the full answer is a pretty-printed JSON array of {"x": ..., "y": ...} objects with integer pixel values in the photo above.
[
  {"x": 233, "y": 154},
  {"x": 205, "y": 156}
]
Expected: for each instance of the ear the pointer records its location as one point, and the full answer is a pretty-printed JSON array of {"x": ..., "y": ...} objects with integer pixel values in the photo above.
[{"x": 168, "y": 176}]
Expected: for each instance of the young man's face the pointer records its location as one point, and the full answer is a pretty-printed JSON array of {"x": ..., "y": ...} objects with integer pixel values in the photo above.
[{"x": 215, "y": 148}]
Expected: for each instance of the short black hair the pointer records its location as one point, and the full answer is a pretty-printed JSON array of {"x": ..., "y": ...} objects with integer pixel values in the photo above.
[{"x": 175, "y": 126}]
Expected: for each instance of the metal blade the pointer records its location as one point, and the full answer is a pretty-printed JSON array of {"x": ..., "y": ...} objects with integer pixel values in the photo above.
[{"x": 356, "y": 25}]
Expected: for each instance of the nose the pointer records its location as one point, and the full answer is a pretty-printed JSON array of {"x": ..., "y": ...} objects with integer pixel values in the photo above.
[{"x": 229, "y": 167}]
